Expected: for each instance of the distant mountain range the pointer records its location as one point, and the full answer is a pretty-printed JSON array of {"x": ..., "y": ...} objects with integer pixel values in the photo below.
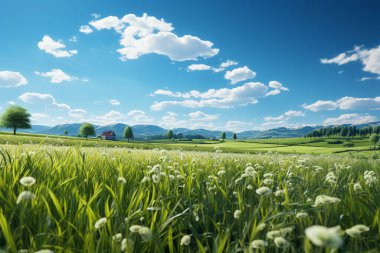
[{"x": 144, "y": 131}]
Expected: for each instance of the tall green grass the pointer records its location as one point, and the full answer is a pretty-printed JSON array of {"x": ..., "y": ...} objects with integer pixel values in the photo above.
[{"x": 176, "y": 193}]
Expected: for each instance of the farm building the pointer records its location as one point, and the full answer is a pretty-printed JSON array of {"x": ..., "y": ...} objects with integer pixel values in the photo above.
[{"x": 108, "y": 135}]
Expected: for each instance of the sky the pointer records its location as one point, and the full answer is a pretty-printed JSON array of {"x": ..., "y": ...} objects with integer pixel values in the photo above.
[{"x": 220, "y": 65}]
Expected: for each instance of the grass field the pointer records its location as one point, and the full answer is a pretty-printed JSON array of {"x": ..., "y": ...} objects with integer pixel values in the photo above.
[
  {"x": 99, "y": 199},
  {"x": 285, "y": 145}
]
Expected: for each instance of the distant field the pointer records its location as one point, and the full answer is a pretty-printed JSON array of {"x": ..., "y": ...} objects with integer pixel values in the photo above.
[{"x": 285, "y": 145}]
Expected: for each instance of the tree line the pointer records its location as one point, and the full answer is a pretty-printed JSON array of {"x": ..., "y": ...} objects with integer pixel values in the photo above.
[{"x": 343, "y": 131}]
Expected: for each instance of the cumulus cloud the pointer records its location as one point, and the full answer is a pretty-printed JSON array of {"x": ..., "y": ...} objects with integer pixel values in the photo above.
[
  {"x": 370, "y": 58},
  {"x": 345, "y": 103},
  {"x": 192, "y": 120},
  {"x": 197, "y": 67},
  {"x": 55, "y": 48},
  {"x": 136, "y": 117},
  {"x": 149, "y": 35},
  {"x": 277, "y": 88},
  {"x": 40, "y": 98},
  {"x": 219, "y": 98},
  {"x": 58, "y": 76},
  {"x": 239, "y": 74},
  {"x": 285, "y": 116},
  {"x": 10, "y": 79},
  {"x": 114, "y": 102},
  {"x": 239, "y": 126},
  {"x": 38, "y": 116},
  {"x": 77, "y": 113},
  {"x": 352, "y": 118},
  {"x": 222, "y": 66},
  {"x": 85, "y": 29}
]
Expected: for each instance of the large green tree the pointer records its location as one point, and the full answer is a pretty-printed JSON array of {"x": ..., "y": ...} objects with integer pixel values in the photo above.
[
  {"x": 15, "y": 117},
  {"x": 128, "y": 133},
  {"x": 170, "y": 134},
  {"x": 87, "y": 130},
  {"x": 223, "y": 136},
  {"x": 374, "y": 138},
  {"x": 235, "y": 136}
]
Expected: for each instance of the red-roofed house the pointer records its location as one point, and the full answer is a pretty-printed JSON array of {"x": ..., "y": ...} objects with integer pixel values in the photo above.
[{"x": 109, "y": 135}]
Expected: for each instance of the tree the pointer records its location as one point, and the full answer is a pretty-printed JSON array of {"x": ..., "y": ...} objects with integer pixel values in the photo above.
[
  {"x": 170, "y": 134},
  {"x": 344, "y": 132},
  {"x": 128, "y": 133},
  {"x": 223, "y": 136},
  {"x": 235, "y": 136},
  {"x": 376, "y": 129},
  {"x": 66, "y": 133},
  {"x": 374, "y": 138},
  {"x": 15, "y": 117},
  {"x": 87, "y": 130}
]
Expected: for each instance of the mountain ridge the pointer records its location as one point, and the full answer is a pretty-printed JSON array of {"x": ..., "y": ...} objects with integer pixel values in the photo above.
[{"x": 145, "y": 131}]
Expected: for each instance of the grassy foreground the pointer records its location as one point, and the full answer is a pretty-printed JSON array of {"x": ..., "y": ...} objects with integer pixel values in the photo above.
[{"x": 118, "y": 199}]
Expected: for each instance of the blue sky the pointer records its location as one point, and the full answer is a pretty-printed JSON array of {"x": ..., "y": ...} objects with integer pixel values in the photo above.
[{"x": 231, "y": 65}]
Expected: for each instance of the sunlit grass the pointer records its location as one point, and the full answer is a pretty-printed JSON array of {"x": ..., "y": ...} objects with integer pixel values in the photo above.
[{"x": 117, "y": 199}]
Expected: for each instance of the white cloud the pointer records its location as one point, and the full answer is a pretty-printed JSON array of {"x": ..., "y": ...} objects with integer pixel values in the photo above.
[
  {"x": 73, "y": 39},
  {"x": 85, "y": 29},
  {"x": 341, "y": 59},
  {"x": 136, "y": 117},
  {"x": 55, "y": 48},
  {"x": 38, "y": 116},
  {"x": 95, "y": 15},
  {"x": 239, "y": 74},
  {"x": 133, "y": 117},
  {"x": 277, "y": 88},
  {"x": 222, "y": 66},
  {"x": 321, "y": 105},
  {"x": 111, "y": 117},
  {"x": 11, "y": 102},
  {"x": 114, "y": 102},
  {"x": 110, "y": 22},
  {"x": 10, "y": 79},
  {"x": 238, "y": 126},
  {"x": 40, "y": 98},
  {"x": 220, "y": 98},
  {"x": 192, "y": 120},
  {"x": 345, "y": 103},
  {"x": 58, "y": 76},
  {"x": 227, "y": 64},
  {"x": 370, "y": 58},
  {"x": 353, "y": 118},
  {"x": 147, "y": 35},
  {"x": 77, "y": 113},
  {"x": 195, "y": 67},
  {"x": 286, "y": 116},
  {"x": 201, "y": 116}
]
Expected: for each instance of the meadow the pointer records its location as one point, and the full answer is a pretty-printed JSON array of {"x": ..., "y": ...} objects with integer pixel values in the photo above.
[
  {"x": 283, "y": 145},
  {"x": 100, "y": 199}
]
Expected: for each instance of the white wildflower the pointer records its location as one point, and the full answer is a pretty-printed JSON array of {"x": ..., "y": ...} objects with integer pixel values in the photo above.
[
  {"x": 302, "y": 215},
  {"x": 100, "y": 223},
  {"x": 185, "y": 240},
  {"x": 356, "y": 230},
  {"x": 322, "y": 200},
  {"x": 25, "y": 195},
  {"x": 324, "y": 237},
  {"x": 259, "y": 244},
  {"x": 121, "y": 180},
  {"x": 281, "y": 242},
  {"x": 27, "y": 181},
  {"x": 117, "y": 237},
  {"x": 263, "y": 191},
  {"x": 237, "y": 214},
  {"x": 145, "y": 233}
]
